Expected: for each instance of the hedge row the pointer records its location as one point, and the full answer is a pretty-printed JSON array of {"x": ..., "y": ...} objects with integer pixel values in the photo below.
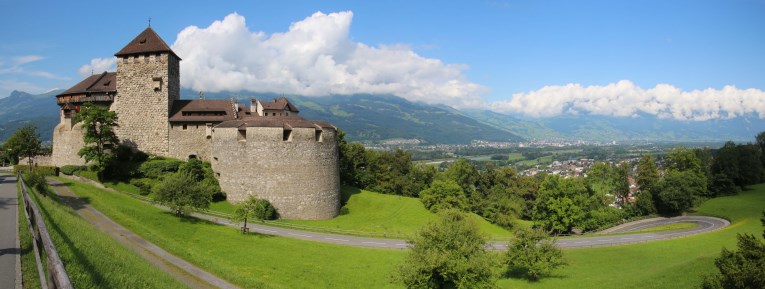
[{"x": 45, "y": 170}]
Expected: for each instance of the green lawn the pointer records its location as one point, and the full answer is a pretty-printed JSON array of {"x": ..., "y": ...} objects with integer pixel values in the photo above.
[
  {"x": 93, "y": 259},
  {"x": 676, "y": 263},
  {"x": 276, "y": 262},
  {"x": 29, "y": 274},
  {"x": 668, "y": 227},
  {"x": 394, "y": 216},
  {"x": 250, "y": 261}
]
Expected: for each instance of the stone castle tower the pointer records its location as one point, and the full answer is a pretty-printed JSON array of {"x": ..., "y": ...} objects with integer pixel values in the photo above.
[
  {"x": 268, "y": 150},
  {"x": 148, "y": 82}
]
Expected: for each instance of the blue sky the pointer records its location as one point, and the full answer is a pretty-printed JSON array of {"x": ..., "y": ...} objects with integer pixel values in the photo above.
[{"x": 677, "y": 59}]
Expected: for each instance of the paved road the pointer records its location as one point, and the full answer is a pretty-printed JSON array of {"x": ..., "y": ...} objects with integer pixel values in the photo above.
[
  {"x": 9, "y": 247},
  {"x": 706, "y": 224}
]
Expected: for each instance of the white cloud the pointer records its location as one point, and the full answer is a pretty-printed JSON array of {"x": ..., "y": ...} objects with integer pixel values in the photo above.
[
  {"x": 97, "y": 65},
  {"x": 315, "y": 57},
  {"x": 24, "y": 59},
  {"x": 626, "y": 99}
]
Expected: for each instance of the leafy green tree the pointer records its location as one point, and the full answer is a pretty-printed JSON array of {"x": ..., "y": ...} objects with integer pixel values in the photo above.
[
  {"x": 760, "y": 140},
  {"x": 533, "y": 253},
  {"x": 750, "y": 168},
  {"x": 647, "y": 173},
  {"x": 182, "y": 194},
  {"x": 443, "y": 194},
  {"x": 619, "y": 177},
  {"x": 449, "y": 252},
  {"x": 562, "y": 203},
  {"x": 98, "y": 124},
  {"x": 23, "y": 143},
  {"x": 742, "y": 268},
  {"x": 677, "y": 191},
  {"x": 253, "y": 209},
  {"x": 683, "y": 159}
]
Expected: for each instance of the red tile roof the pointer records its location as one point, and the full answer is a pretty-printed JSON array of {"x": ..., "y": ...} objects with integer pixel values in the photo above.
[
  {"x": 104, "y": 82},
  {"x": 218, "y": 110},
  {"x": 146, "y": 42},
  {"x": 276, "y": 121},
  {"x": 280, "y": 104}
]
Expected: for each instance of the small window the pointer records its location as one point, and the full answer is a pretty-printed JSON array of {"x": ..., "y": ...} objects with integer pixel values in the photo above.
[
  {"x": 157, "y": 83},
  {"x": 287, "y": 135},
  {"x": 184, "y": 126},
  {"x": 242, "y": 136},
  {"x": 319, "y": 137},
  {"x": 124, "y": 60},
  {"x": 67, "y": 113},
  {"x": 145, "y": 59}
]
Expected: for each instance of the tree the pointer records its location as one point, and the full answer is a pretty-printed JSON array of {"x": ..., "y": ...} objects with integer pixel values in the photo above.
[
  {"x": 761, "y": 142},
  {"x": 534, "y": 253},
  {"x": 449, "y": 252},
  {"x": 742, "y": 268},
  {"x": 677, "y": 191},
  {"x": 98, "y": 124},
  {"x": 443, "y": 194},
  {"x": 253, "y": 208},
  {"x": 683, "y": 159},
  {"x": 620, "y": 179},
  {"x": 562, "y": 203},
  {"x": 182, "y": 194},
  {"x": 647, "y": 173},
  {"x": 24, "y": 142}
]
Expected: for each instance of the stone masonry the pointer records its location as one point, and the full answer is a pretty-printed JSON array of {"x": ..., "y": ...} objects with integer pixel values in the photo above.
[{"x": 278, "y": 156}]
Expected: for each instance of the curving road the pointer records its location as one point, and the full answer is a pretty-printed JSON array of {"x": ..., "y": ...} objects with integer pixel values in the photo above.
[{"x": 706, "y": 224}]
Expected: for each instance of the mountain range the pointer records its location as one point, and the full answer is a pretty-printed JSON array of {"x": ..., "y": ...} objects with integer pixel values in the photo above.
[{"x": 380, "y": 118}]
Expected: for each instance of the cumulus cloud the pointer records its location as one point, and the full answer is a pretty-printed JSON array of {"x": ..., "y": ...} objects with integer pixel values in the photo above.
[
  {"x": 625, "y": 99},
  {"x": 98, "y": 65},
  {"x": 315, "y": 57}
]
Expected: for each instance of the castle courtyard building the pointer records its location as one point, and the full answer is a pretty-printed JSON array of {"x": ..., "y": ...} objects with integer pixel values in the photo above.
[{"x": 266, "y": 150}]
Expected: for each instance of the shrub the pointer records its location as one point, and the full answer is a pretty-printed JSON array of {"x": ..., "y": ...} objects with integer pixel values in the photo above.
[
  {"x": 143, "y": 186},
  {"x": 71, "y": 170},
  {"x": 45, "y": 170},
  {"x": 156, "y": 168},
  {"x": 36, "y": 180}
]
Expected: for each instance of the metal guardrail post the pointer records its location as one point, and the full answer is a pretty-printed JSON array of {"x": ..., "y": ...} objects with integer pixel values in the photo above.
[{"x": 57, "y": 277}]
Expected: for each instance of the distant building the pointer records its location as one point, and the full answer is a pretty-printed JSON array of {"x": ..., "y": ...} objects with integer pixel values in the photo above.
[{"x": 266, "y": 150}]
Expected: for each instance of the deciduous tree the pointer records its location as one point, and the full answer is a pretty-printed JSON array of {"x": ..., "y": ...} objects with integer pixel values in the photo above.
[
  {"x": 98, "y": 124},
  {"x": 443, "y": 194},
  {"x": 449, "y": 252},
  {"x": 253, "y": 209},
  {"x": 23, "y": 143},
  {"x": 533, "y": 253},
  {"x": 182, "y": 194}
]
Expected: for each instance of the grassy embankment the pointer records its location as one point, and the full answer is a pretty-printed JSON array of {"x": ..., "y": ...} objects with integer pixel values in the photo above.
[
  {"x": 92, "y": 259},
  {"x": 676, "y": 263},
  {"x": 29, "y": 274},
  {"x": 250, "y": 261},
  {"x": 389, "y": 214},
  {"x": 257, "y": 260},
  {"x": 667, "y": 227}
]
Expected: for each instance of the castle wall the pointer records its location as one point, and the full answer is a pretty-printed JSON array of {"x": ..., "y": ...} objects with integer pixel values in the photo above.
[
  {"x": 196, "y": 139},
  {"x": 299, "y": 177},
  {"x": 146, "y": 88},
  {"x": 67, "y": 141}
]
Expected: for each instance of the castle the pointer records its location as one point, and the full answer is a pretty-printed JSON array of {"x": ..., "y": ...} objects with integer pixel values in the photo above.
[{"x": 266, "y": 149}]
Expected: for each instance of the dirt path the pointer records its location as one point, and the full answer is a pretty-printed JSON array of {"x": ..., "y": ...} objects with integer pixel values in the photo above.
[{"x": 184, "y": 271}]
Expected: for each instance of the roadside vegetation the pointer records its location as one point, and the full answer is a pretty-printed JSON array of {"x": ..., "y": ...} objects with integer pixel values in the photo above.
[
  {"x": 93, "y": 259},
  {"x": 248, "y": 260}
]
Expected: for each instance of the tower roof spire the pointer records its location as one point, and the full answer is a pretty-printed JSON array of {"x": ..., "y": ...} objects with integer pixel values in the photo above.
[{"x": 146, "y": 42}]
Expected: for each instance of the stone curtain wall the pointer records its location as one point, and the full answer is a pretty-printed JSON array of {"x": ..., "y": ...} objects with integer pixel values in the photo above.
[
  {"x": 299, "y": 177},
  {"x": 67, "y": 141},
  {"x": 192, "y": 140},
  {"x": 146, "y": 88}
]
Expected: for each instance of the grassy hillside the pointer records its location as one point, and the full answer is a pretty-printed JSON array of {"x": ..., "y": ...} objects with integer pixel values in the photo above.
[
  {"x": 93, "y": 259},
  {"x": 677, "y": 263},
  {"x": 393, "y": 215},
  {"x": 276, "y": 262}
]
